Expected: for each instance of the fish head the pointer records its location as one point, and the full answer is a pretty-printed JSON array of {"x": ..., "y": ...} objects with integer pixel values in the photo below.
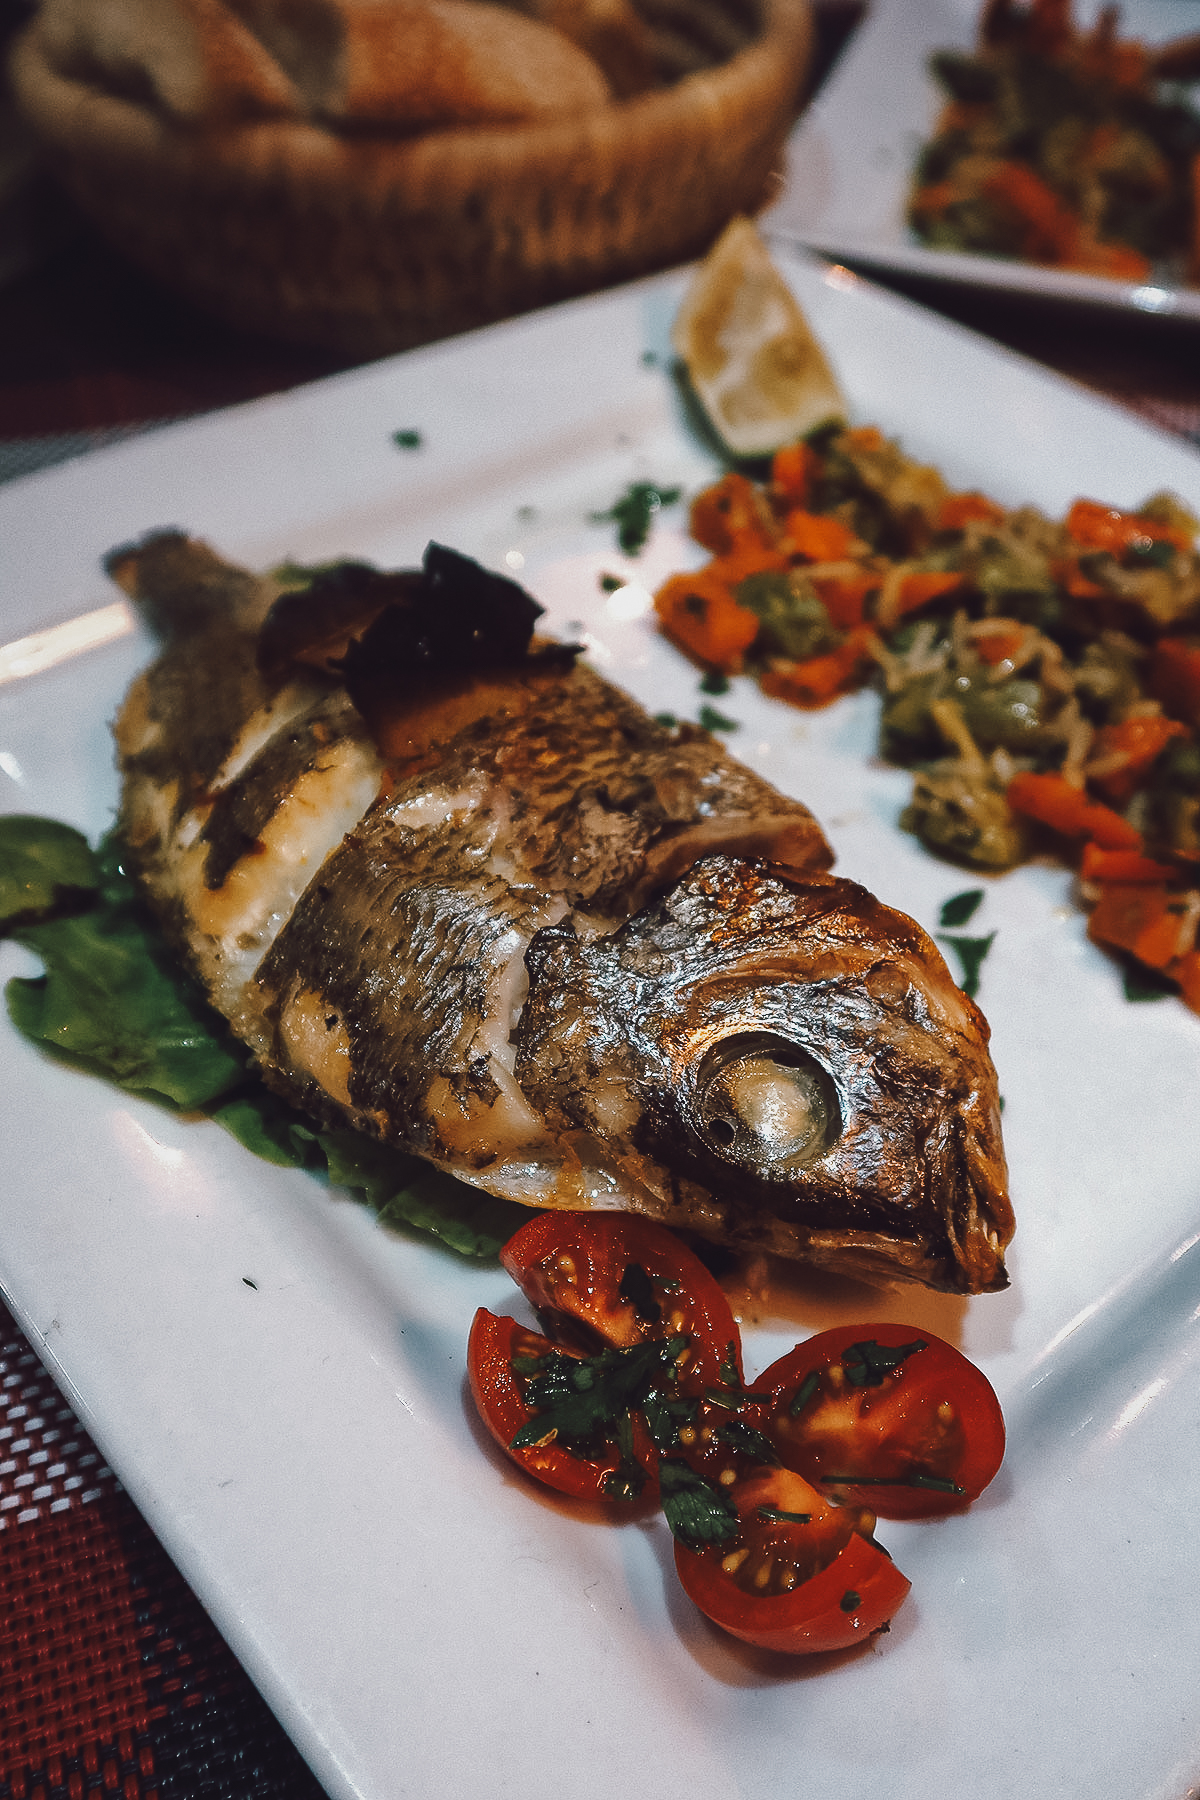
[{"x": 779, "y": 1061}]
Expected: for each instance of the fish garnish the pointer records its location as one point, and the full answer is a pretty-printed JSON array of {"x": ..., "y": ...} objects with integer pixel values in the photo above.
[{"x": 458, "y": 892}]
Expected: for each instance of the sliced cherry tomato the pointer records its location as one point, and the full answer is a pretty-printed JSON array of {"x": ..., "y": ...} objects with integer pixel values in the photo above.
[
  {"x": 799, "y": 1575},
  {"x": 615, "y": 1278},
  {"x": 887, "y": 1416},
  {"x": 496, "y": 1353},
  {"x": 636, "y": 1330}
]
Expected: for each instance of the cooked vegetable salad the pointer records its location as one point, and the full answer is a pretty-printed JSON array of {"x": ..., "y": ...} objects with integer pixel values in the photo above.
[
  {"x": 1069, "y": 148},
  {"x": 1040, "y": 677}
]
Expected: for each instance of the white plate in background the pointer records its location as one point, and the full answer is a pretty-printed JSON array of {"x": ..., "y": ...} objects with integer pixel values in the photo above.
[{"x": 423, "y": 1621}]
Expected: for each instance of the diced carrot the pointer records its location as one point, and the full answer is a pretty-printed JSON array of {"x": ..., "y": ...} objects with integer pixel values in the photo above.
[
  {"x": 1050, "y": 227},
  {"x": 1186, "y": 971},
  {"x": 1120, "y": 262},
  {"x": 820, "y": 679},
  {"x": 920, "y": 586},
  {"x": 792, "y": 470},
  {"x": 844, "y": 596},
  {"x": 1174, "y": 677},
  {"x": 819, "y": 538},
  {"x": 1099, "y": 527},
  {"x": 1053, "y": 801},
  {"x": 1127, "y": 866},
  {"x": 1068, "y": 574},
  {"x": 1148, "y": 922},
  {"x": 958, "y": 510},
  {"x": 746, "y": 558},
  {"x": 999, "y": 642},
  {"x": 702, "y": 616},
  {"x": 935, "y": 197},
  {"x": 1141, "y": 741},
  {"x": 726, "y": 514}
]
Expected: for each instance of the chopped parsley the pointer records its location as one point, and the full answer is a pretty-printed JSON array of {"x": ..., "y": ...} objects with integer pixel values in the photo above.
[
  {"x": 579, "y": 1402},
  {"x": 1141, "y": 982},
  {"x": 633, "y": 513},
  {"x": 971, "y": 953},
  {"x": 939, "y": 1484},
  {"x": 960, "y": 907},
  {"x": 716, "y": 681},
  {"x": 610, "y": 583},
  {"x": 697, "y": 1511},
  {"x": 712, "y": 720},
  {"x": 868, "y": 1364},
  {"x": 407, "y": 439}
]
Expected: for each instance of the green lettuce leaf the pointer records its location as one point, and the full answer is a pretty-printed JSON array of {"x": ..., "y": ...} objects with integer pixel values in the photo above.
[
  {"x": 114, "y": 1001},
  {"x": 43, "y": 865}
]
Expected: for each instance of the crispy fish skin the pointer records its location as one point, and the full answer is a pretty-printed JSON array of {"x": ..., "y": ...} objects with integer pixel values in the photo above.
[{"x": 565, "y": 952}]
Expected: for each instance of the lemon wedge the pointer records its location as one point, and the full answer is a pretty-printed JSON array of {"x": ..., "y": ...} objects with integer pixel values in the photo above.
[{"x": 750, "y": 354}]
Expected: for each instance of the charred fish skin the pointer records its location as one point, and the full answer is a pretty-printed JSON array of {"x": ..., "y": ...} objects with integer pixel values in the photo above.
[{"x": 510, "y": 922}]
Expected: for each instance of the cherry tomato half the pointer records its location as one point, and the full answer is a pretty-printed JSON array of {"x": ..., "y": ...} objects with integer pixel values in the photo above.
[
  {"x": 615, "y": 1278},
  {"x": 887, "y": 1416},
  {"x": 495, "y": 1346},
  {"x": 800, "y": 1576},
  {"x": 635, "y": 1326}
]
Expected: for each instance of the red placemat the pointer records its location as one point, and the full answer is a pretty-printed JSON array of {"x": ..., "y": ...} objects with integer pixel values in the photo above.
[{"x": 113, "y": 1679}]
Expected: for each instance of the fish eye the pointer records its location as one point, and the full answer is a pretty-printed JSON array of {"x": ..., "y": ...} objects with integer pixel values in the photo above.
[{"x": 766, "y": 1104}]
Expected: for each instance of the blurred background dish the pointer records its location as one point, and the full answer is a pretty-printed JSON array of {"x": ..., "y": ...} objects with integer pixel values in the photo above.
[
  {"x": 298, "y": 188},
  {"x": 852, "y": 158}
]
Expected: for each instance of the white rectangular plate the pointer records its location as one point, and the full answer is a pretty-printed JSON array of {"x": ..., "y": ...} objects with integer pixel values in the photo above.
[
  {"x": 851, "y": 158},
  {"x": 420, "y": 1618}
]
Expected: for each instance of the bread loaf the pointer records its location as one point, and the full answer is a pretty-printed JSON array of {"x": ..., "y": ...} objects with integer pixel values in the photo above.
[
  {"x": 423, "y": 62},
  {"x": 192, "y": 59},
  {"x": 396, "y": 64}
]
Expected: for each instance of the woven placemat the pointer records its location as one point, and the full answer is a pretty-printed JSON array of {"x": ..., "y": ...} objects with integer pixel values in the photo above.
[{"x": 113, "y": 1679}]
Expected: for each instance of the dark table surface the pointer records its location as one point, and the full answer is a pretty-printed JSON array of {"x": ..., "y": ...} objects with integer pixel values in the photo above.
[{"x": 112, "y": 1678}]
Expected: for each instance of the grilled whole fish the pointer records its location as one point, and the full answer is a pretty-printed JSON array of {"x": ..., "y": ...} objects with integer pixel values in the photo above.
[{"x": 457, "y": 891}]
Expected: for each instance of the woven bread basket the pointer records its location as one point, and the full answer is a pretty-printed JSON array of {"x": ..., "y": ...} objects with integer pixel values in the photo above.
[{"x": 369, "y": 243}]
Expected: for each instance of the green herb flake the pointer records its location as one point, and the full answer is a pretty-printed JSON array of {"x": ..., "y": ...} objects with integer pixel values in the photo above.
[
  {"x": 581, "y": 1401},
  {"x": 667, "y": 1415},
  {"x": 868, "y": 1364},
  {"x": 971, "y": 953},
  {"x": 1141, "y": 983},
  {"x": 960, "y": 907},
  {"x": 407, "y": 440},
  {"x": 736, "y": 1435},
  {"x": 697, "y": 1512},
  {"x": 610, "y": 583},
  {"x": 667, "y": 719},
  {"x": 712, "y": 720},
  {"x": 804, "y": 1393},
  {"x": 633, "y": 513},
  {"x": 774, "y": 1516},
  {"x": 937, "y": 1484},
  {"x": 715, "y": 682},
  {"x": 850, "y": 1601}
]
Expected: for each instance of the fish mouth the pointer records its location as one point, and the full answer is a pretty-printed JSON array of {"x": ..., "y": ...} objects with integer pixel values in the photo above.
[{"x": 761, "y": 1104}]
